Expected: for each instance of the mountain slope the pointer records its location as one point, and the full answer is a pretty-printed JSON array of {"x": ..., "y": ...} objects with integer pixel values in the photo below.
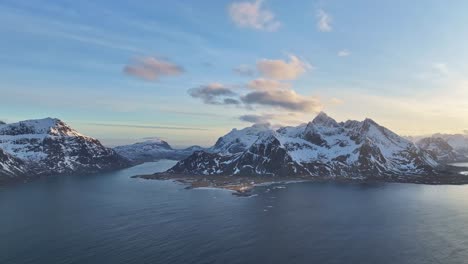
[
  {"x": 322, "y": 148},
  {"x": 49, "y": 146},
  {"x": 458, "y": 142},
  {"x": 441, "y": 150},
  {"x": 11, "y": 168},
  {"x": 152, "y": 150}
]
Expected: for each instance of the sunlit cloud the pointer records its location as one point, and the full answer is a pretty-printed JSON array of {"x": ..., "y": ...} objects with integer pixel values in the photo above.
[
  {"x": 253, "y": 15},
  {"x": 324, "y": 21},
  {"x": 152, "y": 69},
  {"x": 267, "y": 84},
  {"x": 283, "y": 70}
]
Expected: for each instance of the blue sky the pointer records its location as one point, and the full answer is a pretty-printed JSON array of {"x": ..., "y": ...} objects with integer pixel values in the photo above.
[{"x": 124, "y": 70}]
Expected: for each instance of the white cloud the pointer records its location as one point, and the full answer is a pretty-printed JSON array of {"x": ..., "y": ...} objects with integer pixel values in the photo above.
[
  {"x": 282, "y": 70},
  {"x": 344, "y": 53},
  {"x": 152, "y": 69},
  {"x": 253, "y": 15},
  {"x": 324, "y": 21}
]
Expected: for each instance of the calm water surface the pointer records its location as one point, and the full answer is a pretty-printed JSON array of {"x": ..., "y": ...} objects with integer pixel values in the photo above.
[{"x": 112, "y": 218}]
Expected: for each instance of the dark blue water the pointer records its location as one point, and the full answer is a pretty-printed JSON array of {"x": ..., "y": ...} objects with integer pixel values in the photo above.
[{"x": 114, "y": 219}]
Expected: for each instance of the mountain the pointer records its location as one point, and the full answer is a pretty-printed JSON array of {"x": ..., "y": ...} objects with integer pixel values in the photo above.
[
  {"x": 153, "y": 149},
  {"x": 238, "y": 141},
  {"x": 458, "y": 142},
  {"x": 323, "y": 147},
  {"x": 10, "y": 167},
  {"x": 441, "y": 150},
  {"x": 50, "y": 147}
]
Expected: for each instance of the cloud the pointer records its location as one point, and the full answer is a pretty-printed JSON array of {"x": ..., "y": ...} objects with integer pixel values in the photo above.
[
  {"x": 253, "y": 15},
  {"x": 282, "y": 70},
  {"x": 267, "y": 84},
  {"x": 256, "y": 119},
  {"x": 286, "y": 99},
  {"x": 244, "y": 70},
  {"x": 214, "y": 93},
  {"x": 324, "y": 21},
  {"x": 151, "y": 69},
  {"x": 344, "y": 53},
  {"x": 231, "y": 101},
  {"x": 440, "y": 68},
  {"x": 465, "y": 131}
]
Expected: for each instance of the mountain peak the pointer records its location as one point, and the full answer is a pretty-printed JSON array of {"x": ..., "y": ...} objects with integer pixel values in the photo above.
[{"x": 323, "y": 119}]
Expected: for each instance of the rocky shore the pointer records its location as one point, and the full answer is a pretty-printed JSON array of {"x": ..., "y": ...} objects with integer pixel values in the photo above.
[{"x": 243, "y": 186}]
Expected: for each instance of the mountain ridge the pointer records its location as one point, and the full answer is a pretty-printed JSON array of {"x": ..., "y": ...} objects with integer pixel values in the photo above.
[
  {"x": 322, "y": 147},
  {"x": 49, "y": 146}
]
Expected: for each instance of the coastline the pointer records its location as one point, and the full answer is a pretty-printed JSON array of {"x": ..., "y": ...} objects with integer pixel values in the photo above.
[{"x": 243, "y": 186}]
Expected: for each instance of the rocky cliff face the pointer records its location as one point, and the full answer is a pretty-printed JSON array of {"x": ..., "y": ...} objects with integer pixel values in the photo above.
[
  {"x": 323, "y": 147},
  {"x": 50, "y": 147}
]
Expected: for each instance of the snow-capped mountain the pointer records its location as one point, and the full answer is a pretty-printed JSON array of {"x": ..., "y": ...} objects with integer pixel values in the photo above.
[
  {"x": 10, "y": 167},
  {"x": 441, "y": 150},
  {"x": 458, "y": 142},
  {"x": 322, "y": 147},
  {"x": 238, "y": 141},
  {"x": 49, "y": 146},
  {"x": 154, "y": 149}
]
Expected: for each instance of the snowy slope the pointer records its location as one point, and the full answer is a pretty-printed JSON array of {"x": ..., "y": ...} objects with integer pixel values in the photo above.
[
  {"x": 322, "y": 147},
  {"x": 10, "y": 167},
  {"x": 238, "y": 141},
  {"x": 49, "y": 146},
  {"x": 441, "y": 150},
  {"x": 458, "y": 142},
  {"x": 152, "y": 150}
]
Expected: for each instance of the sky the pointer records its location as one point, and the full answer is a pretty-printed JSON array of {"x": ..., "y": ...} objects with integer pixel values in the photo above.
[{"x": 190, "y": 71}]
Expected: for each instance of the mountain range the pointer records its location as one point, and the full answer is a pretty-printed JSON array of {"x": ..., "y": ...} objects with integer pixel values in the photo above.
[
  {"x": 322, "y": 147},
  {"x": 34, "y": 148}
]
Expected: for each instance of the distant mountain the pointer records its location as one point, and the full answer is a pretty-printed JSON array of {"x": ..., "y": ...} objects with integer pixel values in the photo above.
[
  {"x": 323, "y": 147},
  {"x": 459, "y": 142},
  {"x": 152, "y": 150},
  {"x": 441, "y": 150},
  {"x": 50, "y": 147}
]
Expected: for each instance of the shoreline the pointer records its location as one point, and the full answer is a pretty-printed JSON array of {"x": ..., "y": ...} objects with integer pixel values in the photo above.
[{"x": 243, "y": 186}]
